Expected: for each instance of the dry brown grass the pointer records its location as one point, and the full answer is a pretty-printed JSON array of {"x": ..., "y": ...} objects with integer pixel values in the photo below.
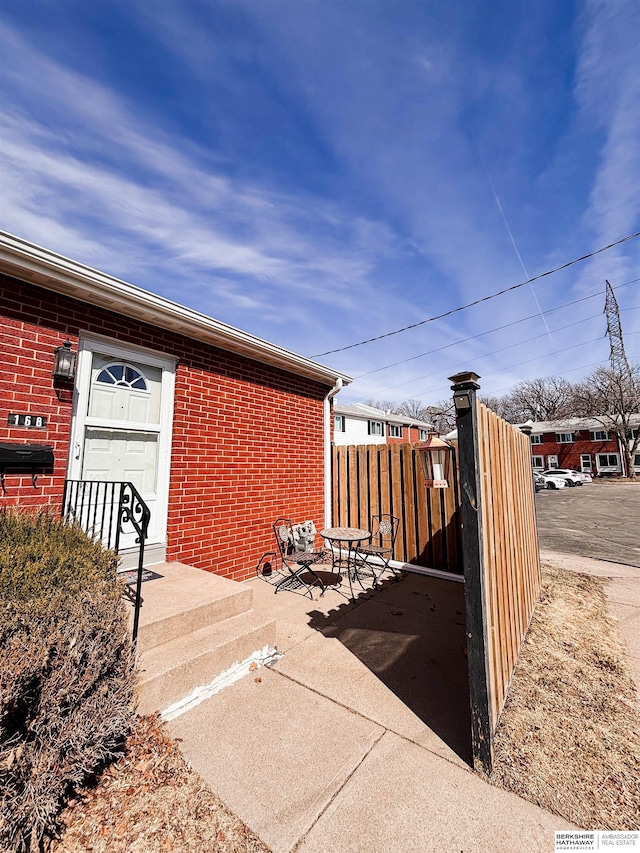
[
  {"x": 569, "y": 734},
  {"x": 151, "y": 802}
]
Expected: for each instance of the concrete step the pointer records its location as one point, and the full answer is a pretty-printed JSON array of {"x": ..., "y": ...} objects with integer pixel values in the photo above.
[
  {"x": 171, "y": 671},
  {"x": 186, "y": 599}
]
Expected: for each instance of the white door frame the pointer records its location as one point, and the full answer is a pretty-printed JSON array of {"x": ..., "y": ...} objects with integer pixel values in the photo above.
[{"x": 90, "y": 343}]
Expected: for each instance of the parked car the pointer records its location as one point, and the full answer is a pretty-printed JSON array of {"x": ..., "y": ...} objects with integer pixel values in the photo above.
[
  {"x": 551, "y": 482},
  {"x": 586, "y": 478},
  {"x": 571, "y": 478},
  {"x": 539, "y": 482}
]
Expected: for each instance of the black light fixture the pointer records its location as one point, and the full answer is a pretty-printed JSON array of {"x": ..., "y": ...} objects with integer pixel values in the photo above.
[
  {"x": 435, "y": 455},
  {"x": 463, "y": 384},
  {"x": 64, "y": 362},
  {"x": 462, "y": 401}
]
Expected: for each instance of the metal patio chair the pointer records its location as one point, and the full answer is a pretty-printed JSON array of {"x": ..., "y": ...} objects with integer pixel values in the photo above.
[
  {"x": 289, "y": 568},
  {"x": 374, "y": 556}
]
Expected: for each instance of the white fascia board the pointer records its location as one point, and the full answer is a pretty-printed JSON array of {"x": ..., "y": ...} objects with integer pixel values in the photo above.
[
  {"x": 31, "y": 263},
  {"x": 364, "y": 412}
]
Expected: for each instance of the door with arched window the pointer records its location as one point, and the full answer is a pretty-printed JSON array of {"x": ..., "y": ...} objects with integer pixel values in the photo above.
[{"x": 122, "y": 429}]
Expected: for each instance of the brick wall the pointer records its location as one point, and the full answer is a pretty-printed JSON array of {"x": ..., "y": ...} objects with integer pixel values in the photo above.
[
  {"x": 247, "y": 437},
  {"x": 569, "y": 453},
  {"x": 402, "y": 439},
  {"x": 410, "y": 434}
]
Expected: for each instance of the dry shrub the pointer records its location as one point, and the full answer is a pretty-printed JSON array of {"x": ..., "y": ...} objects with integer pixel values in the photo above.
[
  {"x": 66, "y": 671},
  {"x": 569, "y": 734}
]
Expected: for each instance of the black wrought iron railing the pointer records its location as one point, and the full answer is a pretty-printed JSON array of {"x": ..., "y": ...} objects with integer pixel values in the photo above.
[{"x": 111, "y": 513}]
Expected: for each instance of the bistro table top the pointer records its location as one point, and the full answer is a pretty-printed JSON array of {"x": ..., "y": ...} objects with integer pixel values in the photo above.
[{"x": 345, "y": 534}]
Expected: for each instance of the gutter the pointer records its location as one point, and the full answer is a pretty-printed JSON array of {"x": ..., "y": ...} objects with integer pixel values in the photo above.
[{"x": 327, "y": 450}]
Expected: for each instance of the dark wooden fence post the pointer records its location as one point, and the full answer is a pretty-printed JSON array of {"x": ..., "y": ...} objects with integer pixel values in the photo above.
[{"x": 464, "y": 395}]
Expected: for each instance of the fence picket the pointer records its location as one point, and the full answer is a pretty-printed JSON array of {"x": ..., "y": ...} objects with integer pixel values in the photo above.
[{"x": 373, "y": 479}]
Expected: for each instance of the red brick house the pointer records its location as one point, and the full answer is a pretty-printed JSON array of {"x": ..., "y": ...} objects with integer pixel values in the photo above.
[
  {"x": 220, "y": 431},
  {"x": 582, "y": 444}
]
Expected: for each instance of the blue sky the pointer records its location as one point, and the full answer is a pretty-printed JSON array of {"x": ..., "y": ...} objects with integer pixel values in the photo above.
[{"x": 320, "y": 172}]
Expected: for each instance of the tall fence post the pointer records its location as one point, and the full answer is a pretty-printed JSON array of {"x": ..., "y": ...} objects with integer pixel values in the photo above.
[{"x": 464, "y": 389}]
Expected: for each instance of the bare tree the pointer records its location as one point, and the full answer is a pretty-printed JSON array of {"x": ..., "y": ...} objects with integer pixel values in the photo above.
[
  {"x": 442, "y": 415},
  {"x": 613, "y": 400},
  {"x": 415, "y": 409},
  {"x": 549, "y": 398},
  {"x": 504, "y": 407},
  {"x": 384, "y": 405}
]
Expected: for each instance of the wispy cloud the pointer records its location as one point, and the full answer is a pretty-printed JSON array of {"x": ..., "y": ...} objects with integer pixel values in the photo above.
[
  {"x": 106, "y": 187},
  {"x": 329, "y": 183}
]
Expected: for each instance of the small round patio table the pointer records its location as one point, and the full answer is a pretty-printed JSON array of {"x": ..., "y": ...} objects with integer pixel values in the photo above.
[{"x": 349, "y": 536}]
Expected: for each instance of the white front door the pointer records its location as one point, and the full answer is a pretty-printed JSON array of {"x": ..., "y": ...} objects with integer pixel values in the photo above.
[
  {"x": 585, "y": 463},
  {"x": 122, "y": 424}
]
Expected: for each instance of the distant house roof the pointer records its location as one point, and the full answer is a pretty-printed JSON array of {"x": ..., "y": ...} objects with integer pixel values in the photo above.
[
  {"x": 28, "y": 262},
  {"x": 571, "y": 424},
  {"x": 361, "y": 410}
]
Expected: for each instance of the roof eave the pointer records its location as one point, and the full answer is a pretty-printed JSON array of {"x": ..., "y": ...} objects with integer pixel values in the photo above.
[{"x": 32, "y": 263}]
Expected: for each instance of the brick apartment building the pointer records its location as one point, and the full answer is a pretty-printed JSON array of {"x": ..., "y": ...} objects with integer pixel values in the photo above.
[
  {"x": 582, "y": 444},
  {"x": 221, "y": 432}
]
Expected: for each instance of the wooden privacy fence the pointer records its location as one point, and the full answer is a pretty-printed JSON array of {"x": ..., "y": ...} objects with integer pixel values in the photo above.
[
  {"x": 482, "y": 526},
  {"x": 372, "y": 479},
  {"x": 500, "y": 554}
]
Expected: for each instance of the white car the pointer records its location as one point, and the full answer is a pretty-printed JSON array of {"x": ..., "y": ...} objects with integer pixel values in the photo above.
[
  {"x": 571, "y": 477},
  {"x": 552, "y": 482}
]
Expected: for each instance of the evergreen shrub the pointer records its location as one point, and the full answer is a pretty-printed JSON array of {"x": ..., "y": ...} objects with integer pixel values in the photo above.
[{"x": 66, "y": 671}]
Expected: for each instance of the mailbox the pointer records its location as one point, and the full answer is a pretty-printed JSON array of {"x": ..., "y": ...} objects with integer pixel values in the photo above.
[{"x": 25, "y": 457}]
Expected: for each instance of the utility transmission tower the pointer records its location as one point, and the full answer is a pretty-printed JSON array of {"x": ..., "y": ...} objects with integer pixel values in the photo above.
[
  {"x": 621, "y": 371},
  {"x": 617, "y": 356}
]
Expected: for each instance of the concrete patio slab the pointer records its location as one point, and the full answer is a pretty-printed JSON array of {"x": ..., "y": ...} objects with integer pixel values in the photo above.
[
  {"x": 404, "y": 798},
  {"x": 418, "y": 656},
  {"x": 355, "y": 739},
  {"x": 275, "y": 752},
  {"x": 293, "y": 611},
  {"x": 317, "y": 662}
]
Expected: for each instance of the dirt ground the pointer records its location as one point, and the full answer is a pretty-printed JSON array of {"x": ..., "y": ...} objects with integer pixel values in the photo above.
[{"x": 600, "y": 520}]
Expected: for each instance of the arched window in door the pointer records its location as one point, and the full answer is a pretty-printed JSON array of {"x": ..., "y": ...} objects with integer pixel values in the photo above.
[{"x": 123, "y": 375}]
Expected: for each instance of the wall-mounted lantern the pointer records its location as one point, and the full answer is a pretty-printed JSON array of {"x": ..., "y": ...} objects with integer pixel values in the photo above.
[
  {"x": 64, "y": 362},
  {"x": 435, "y": 455}
]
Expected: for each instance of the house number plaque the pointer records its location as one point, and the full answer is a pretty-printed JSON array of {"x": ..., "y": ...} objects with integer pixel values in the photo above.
[{"x": 29, "y": 421}]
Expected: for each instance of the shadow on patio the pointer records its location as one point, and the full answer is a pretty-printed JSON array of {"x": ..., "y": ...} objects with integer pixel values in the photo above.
[{"x": 411, "y": 635}]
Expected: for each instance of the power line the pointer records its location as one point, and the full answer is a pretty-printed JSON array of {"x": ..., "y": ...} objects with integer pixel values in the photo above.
[
  {"x": 496, "y": 351},
  {"x": 528, "y": 361},
  {"x": 573, "y": 370},
  {"x": 486, "y": 355},
  {"x": 484, "y": 298},
  {"x": 489, "y": 331}
]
